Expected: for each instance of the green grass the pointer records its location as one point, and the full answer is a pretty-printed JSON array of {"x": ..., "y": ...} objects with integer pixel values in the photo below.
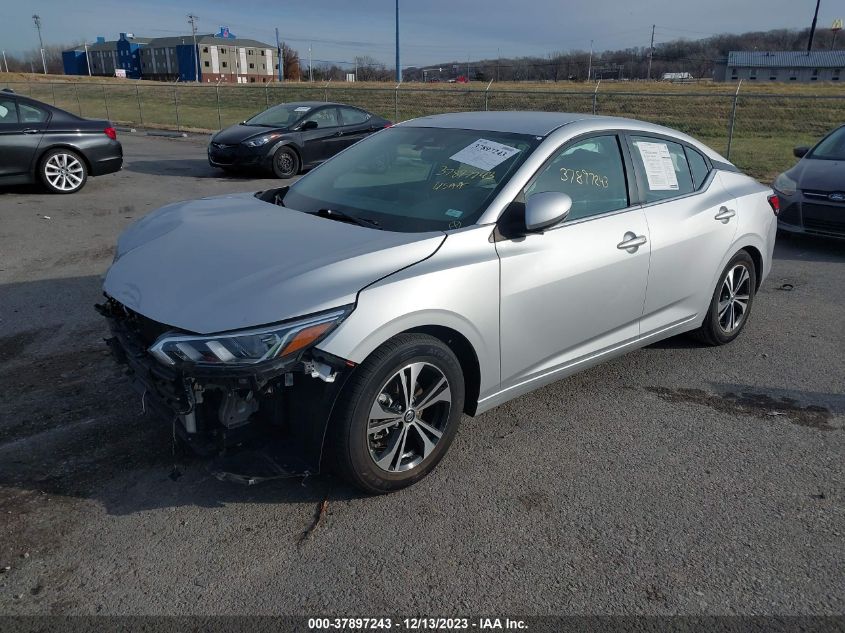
[{"x": 770, "y": 119}]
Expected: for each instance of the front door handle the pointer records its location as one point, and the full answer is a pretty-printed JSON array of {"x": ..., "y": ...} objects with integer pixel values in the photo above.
[
  {"x": 30, "y": 130},
  {"x": 631, "y": 242},
  {"x": 725, "y": 215}
]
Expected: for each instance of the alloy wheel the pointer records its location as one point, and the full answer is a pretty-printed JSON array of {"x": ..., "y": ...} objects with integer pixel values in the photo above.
[
  {"x": 409, "y": 417},
  {"x": 734, "y": 297},
  {"x": 64, "y": 172}
]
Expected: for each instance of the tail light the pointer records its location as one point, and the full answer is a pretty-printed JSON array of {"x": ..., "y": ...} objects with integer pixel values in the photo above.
[
  {"x": 389, "y": 124},
  {"x": 774, "y": 202},
  {"x": 111, "y": 133}
]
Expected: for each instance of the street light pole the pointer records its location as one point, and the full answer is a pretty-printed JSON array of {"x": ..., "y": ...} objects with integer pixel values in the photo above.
[
  {"x": 37, "y": 19},
  {"x": 398, "y": 66},
  {"x": 590, "y": 63},
  {"x": 5, "y": 63},
  {"x": 193, "y": 21},
  {"x": 87, "y": 59}
]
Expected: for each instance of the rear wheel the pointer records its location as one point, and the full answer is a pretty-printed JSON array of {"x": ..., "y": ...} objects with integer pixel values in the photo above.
[
  {"x": 285, "y": 163},
  {"x": 730, "y": 306},
  {"x": 398, "y": 414},
  {"x": 63, "y": 171}
]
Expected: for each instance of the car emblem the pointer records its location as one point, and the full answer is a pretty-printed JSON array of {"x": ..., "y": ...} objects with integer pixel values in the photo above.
[{"x": 837, "y": 197}]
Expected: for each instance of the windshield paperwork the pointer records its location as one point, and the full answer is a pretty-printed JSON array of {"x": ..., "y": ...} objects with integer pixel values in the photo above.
[
  {"x": 414, "y": 179},
  {"x": 832, "y": 147},
  {"x": 282, "y": 115}
]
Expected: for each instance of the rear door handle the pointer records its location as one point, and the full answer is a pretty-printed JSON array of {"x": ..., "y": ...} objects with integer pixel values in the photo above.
[
  {"x": 631, "y": 242},
  {"x": 30, "y": 130},
  {"x": 725, "y": 215}
]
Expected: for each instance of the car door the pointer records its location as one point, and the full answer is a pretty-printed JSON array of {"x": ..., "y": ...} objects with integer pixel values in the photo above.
[
  {"x": 692, "y": 224},
  {"x": 356, "y": 125},
  {"x": 322, "y": 142},
  {"x": 21, "y": 130},
  {"x": 575, "y": 291}
]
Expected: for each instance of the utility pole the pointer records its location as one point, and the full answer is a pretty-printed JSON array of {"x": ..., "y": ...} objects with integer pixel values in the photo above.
[
  {"x": 813, "y": 27},
  {"x": 590, "y": 63},
  {"x": 498, "y": 62},
  {"x": 87, "y": 59},
  {"x": 192, "y": 19},
  {"x": 651, "y": 51},
  {"x": 835, "y": 28},
  {"x": 280, "y": 54},
  {"x": 310, "y": 70},
  {"x": 5, "y": 63},
  {"x": 37, "y": 19},
  {"x": 398, "y": 67}
]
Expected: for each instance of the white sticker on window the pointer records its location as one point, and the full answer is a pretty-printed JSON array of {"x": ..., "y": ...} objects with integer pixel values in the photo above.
[
  {"x": 659, "y": 168},
  {"x": 484, "y": 154},
  {"x": 302, "y": 109}
]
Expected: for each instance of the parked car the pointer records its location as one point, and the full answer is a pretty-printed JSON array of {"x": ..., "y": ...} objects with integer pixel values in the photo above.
[
  {"x": 812, "y": 193},
  {"x": 43, "y": 143},
  {"x": 291, "y": 137},
  {"x": 440, "y": 267}
]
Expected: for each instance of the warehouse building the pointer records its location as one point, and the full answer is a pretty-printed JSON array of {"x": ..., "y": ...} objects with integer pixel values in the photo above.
[
  {"x": 764, "y": 66},
  {"x": 222, "y": 57}
]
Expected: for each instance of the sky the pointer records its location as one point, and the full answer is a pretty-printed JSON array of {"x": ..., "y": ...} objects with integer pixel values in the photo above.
[{"x": 431, "y": 30}]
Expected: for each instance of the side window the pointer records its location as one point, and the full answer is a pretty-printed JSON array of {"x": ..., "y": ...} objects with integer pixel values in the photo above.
[
  {"x": 353, "y": 116},
  {"x": 31, "y": 114},
  {"x": 664, "y": 168},
  {"x": 327, "y": 117},
  {"x": 591, "y": 172},
  {"x": 697, "y": 166},
  {"x": 8, "y": 112}
]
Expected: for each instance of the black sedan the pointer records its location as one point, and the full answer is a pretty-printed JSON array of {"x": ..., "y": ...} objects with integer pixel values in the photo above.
[
  {"x": 291, "y": 137},
  {"x": 812, "y": 193},
  {"x": 39, "y": 142}
]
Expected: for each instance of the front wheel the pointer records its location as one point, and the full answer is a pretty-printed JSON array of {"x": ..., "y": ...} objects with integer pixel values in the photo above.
[
  {"x": 398, "y": 414},
  {"x": 63, "y": 171},
  {"x": 730, "y": 306},
  {"x": 285, "y": 163}
]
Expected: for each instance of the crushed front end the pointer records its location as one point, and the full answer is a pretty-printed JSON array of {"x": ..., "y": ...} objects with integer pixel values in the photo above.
[{"x": 258, "y": 401}]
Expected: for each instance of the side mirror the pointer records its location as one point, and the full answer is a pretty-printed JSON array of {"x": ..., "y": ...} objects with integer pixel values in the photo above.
[
  {"x": 544, "y": 210},
  {"x": 800, "y": 151},
  {"x": 309, "y": 125}
]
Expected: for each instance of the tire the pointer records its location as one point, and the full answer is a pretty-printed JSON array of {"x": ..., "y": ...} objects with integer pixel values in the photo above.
[
  {"x": 285, "y": 163},
  {"x": 373, "y": 460},
  {"x": 62, "y": 171},
  {"x": 721, "y": 326}
]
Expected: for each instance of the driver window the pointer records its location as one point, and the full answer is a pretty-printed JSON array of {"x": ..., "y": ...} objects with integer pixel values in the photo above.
[
  {"x": 327, "y": 117},
  {"x": 591, "y": 172}
]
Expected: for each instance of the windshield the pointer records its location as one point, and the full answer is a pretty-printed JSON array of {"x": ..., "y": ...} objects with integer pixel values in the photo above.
[
  {"x": 282, "y": 115},
  {"x": 415, "y": 179},
  {"x": 832, "y": 147}
]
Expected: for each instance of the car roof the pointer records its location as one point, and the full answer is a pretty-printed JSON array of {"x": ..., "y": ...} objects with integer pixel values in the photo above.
[
  {"x": 317, "y": 104},
  {"x": 534, "y": 123}
]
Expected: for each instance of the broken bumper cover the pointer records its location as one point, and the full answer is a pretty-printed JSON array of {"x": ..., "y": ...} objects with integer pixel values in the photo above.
[{"x": 260, "y": 422}]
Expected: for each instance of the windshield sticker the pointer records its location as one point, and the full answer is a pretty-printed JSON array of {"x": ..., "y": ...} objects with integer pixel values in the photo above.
[
  {"x": 454, "y": 213},
  {"x": 301, "y": 109},
  {"x": 659, "y": 168},
  {"x": 455, "y": 224},
  {"x": 484, "y": 154},
  {"x": 583, "y": 177}
]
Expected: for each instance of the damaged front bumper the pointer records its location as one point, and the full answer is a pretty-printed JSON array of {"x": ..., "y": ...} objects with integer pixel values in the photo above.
[{"x": 257, "y": 422}]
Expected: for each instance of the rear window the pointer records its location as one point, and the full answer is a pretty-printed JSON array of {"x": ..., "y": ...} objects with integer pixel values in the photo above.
[
  {"x": 31, "y": 114},
  {"x": 697, "y": 166}
]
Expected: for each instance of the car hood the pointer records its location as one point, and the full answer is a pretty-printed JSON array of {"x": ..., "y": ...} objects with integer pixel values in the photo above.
[
  {"x": 819, "y": 175},
  {"x": 239, "y": 133},
  {"x": 232, "y": 262}
]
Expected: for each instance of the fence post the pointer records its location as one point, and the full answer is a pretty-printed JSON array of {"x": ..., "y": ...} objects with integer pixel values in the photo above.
[
  {"x": 78, "y": 102},
  {"x": 396, "y": 104},
  {"x": 486, "y": 91},
  {"x": 267, "y": 96},
  {"x": 176, "y": 103},
  {"x": 138, "y": 98},
  {"x": 217, "y": 95},
  {"x": 733, "y": 121},
  {"x": 326, "y": 89},
  {"x": 106, "y": 103},
  {"x": 53, "y": 88},
  {"x": 595, "y": 96}
]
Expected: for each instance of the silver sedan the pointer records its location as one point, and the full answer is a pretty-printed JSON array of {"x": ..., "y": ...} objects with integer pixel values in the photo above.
[{"x": 439, "y": 267}]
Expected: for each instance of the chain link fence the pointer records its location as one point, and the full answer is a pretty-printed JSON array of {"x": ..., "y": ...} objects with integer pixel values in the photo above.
[{"x": 756, "y": 131}]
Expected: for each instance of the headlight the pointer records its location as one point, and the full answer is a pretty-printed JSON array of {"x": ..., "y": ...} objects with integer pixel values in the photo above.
[
  {"x": 785, "y": 185},
  {"x": 261, "y": 140},
  {"x": 247, "y": 347}
]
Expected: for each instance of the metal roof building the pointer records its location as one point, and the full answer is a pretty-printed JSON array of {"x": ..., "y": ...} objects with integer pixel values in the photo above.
[{"x": 765, "y": 66}]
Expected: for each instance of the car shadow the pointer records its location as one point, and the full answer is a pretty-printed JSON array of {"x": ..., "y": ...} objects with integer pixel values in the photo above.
[
  {"x": 189, "y": 168},
  {"x": 72, "y": 426},
  {"x": 809, "y": 248}
]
